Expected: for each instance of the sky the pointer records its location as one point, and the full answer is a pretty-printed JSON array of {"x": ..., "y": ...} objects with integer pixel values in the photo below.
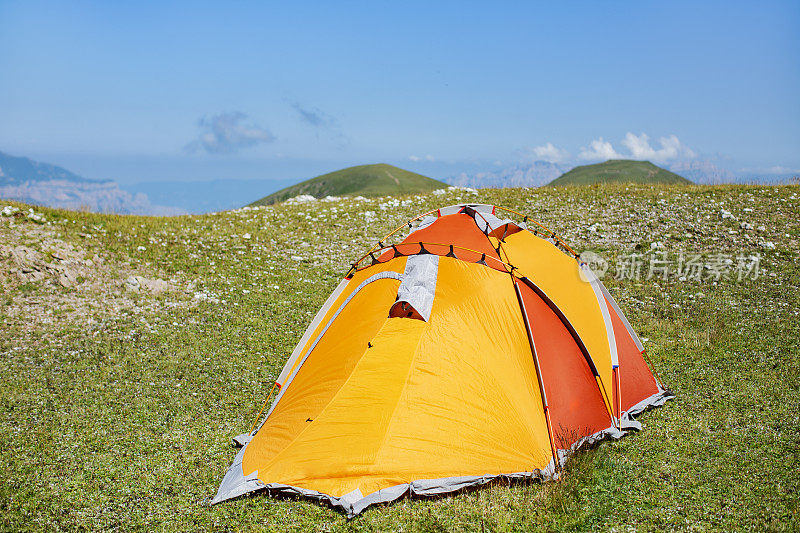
[{"x": 141, "y": 91}]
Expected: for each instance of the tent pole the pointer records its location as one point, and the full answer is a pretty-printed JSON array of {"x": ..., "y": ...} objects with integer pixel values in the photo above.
[
  {"x": 619, "y": 395},
  {"x": 556, "y": 462}
]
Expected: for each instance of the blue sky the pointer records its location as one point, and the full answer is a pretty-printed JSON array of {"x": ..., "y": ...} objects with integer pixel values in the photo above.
[{"x": 144, "y": 91}]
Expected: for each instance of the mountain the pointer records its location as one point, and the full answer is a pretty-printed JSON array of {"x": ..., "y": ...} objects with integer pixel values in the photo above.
[
  {"x": 703, "y": 172},
  {"x": 19, "y": 170},
  {"x": 618, "y": 170},
  {"x": 364, "y": 180},
  {"x": 207, "y": 196},
  {"x": 29, "y": 181},
  {"x": 532, "y": 175}
]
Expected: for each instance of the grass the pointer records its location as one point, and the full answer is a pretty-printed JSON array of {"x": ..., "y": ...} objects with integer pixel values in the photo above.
[
  {"x": 364, "y": 180},
  {"x": 621, "y": 171},
  {"x": 117, "y": 411}
]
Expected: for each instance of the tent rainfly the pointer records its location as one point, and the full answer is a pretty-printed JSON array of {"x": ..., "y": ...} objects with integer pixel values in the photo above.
[{"x": 475, "y": 349}]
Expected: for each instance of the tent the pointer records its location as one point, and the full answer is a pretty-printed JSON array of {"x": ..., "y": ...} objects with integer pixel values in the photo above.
[{"x": 475, "y": 349}]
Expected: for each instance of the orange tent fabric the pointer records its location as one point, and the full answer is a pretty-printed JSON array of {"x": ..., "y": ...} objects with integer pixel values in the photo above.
[{"x": 472, "y": 350}]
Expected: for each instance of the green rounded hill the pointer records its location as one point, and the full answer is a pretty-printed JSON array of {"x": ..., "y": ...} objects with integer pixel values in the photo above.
[
  {"x": 619, "y": 170},
  {"x": 364, "y": 180}
]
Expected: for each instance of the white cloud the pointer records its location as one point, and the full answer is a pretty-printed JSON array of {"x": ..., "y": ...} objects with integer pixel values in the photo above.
[
  {"x": 671, "y": 148},
  {"x": 548, "y": 152},
  {"x": 427, "y": 157},
  {"x": 599, "y": 149},
  {"x": 226, "y": 133}
]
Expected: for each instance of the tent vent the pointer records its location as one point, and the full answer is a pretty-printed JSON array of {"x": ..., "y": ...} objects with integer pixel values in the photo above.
[
  {"x": 402, "y": 309},
  {"x": 416, "y": 291}
]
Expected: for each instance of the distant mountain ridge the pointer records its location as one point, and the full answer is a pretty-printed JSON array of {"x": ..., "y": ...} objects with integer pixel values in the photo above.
[
  {"x": 619, "y": 170},
  {"x": 363, "y": 180},
  {"x": 16, "y": 170},
  {"x": 541, "y": 173},
  {"x": 528, "y": 175},
  {"x": 29, "y": 181},
  {"x": 703, "y": 172}
]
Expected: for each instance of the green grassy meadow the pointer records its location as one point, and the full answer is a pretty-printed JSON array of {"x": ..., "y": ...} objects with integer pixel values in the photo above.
[{"x": 120, "y": 394}]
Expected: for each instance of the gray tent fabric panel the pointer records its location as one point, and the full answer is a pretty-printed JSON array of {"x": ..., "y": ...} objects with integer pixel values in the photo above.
[
  {"x": 419, "y": 283},
  {"x": 235, "y": 483},
  {"x": 425, "y": 222},
  {"x": 382, "y": 496},
  {"x": 487, "y": 222},
  {"x": 656, "y": 400},
  {"x": 240, "y": 440},
  {"x": 354, "y": 503},
  {"x": 456, "y": 208},
  {"x": 450, "y": 209}
]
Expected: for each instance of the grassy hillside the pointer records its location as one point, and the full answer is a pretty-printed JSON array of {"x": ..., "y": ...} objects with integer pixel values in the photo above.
[
  {"x": 133, "y": 348},
  {"x": 364, "y": 180},
  {"x": 618, "y": 170}
]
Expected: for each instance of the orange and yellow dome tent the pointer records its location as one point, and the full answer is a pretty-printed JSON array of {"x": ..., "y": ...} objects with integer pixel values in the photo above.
[{"x": 475, "y": 349}]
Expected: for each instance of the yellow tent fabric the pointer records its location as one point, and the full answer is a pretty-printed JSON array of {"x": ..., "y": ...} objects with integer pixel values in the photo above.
[
  {"x": 387, "y": 424},
  {"x": 445, "y": 391}
]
